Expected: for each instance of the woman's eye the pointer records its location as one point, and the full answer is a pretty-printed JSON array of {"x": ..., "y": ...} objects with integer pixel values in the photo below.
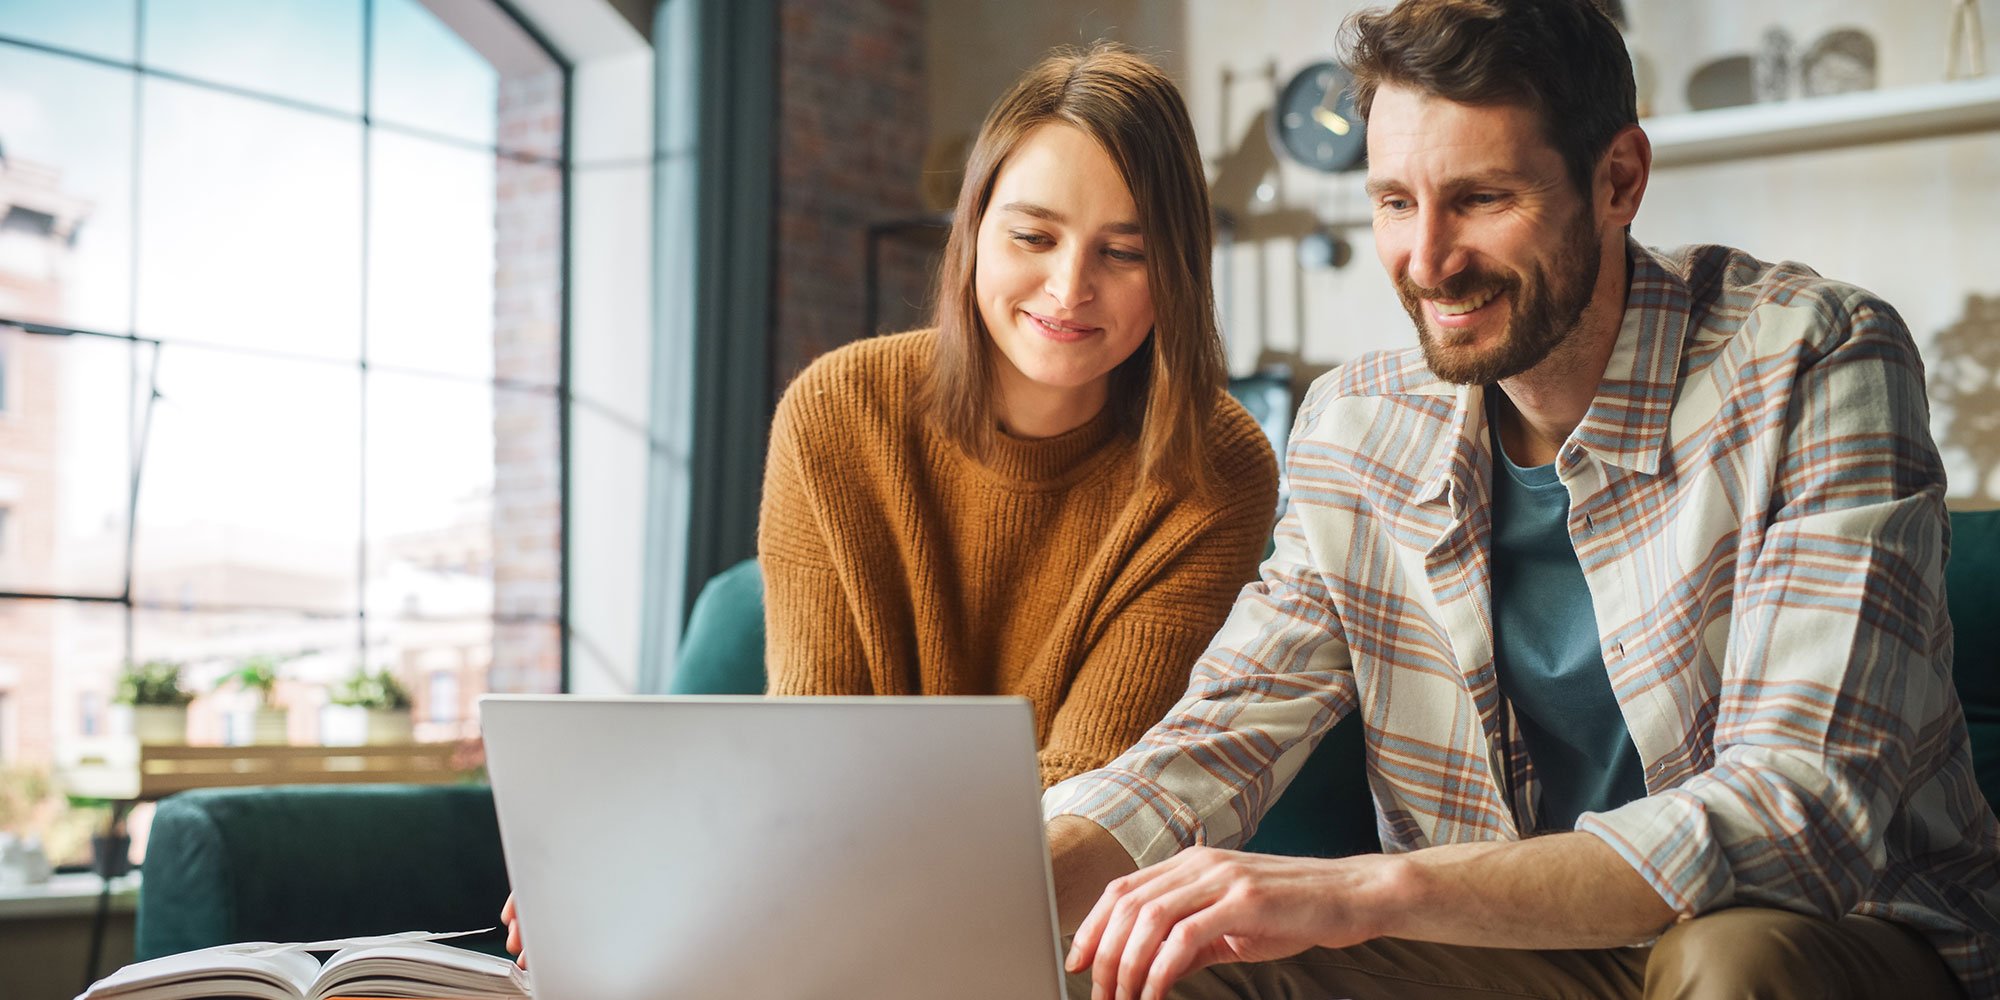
[
  {"x": 1124, "y": 256},
  {"x": 1031, "y": 239}
]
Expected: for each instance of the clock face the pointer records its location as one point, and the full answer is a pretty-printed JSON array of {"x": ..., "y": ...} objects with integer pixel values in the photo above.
[{"x": 1314, "y": 122}]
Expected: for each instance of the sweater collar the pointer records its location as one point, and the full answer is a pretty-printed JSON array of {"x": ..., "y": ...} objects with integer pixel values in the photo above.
[{"x": 1041, "y": 460}]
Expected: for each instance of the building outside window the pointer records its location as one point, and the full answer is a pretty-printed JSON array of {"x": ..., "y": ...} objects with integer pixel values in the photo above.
[
  {"x": 281, "y": 302},
  {"x": 441, "y": 701}
]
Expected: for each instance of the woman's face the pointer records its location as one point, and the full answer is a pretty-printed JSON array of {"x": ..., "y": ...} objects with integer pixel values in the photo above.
[{"x": 1060, "y": 276}]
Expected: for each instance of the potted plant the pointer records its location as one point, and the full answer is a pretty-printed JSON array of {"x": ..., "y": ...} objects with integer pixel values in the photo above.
[
  {"x": 263, "y": 724},
  {"x": 151, "y": 703},
  {"x": 368, "y": 708}
]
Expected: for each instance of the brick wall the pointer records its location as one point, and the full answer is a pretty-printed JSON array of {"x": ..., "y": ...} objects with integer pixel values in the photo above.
[
  {"x": 850, "y": 144},
  {"x": 527, "y": 330}
]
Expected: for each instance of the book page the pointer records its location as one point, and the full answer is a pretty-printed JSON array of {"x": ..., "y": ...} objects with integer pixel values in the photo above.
[
  {"x": 419, "y": 969},
  {"x": 251, "y": 969}
]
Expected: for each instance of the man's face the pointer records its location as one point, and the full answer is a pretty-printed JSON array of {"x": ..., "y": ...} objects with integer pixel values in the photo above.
[{"x": 1493, "y": 251}]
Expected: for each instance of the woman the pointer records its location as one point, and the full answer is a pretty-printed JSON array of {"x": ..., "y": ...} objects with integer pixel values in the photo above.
[{"x": 1049, "y": 494}]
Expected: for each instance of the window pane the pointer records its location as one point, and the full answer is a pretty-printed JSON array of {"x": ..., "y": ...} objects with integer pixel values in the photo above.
[
  {"x": 465, "y": 70},
  {"x": 58, "y": 663},
  {"x": 305, "y": 50},
  {"x": 250, "y": 231},
  {"x": 64, "y": 465},
  {"x": 65, "y": 191},
  {"x": 249, "y": 494},
  {"x": 464, "y": 508},
  {"x": 428, "y": 77},
  {"x": 430, "y": 497},
  {"x": 443, "y": 664},
  {"x": 430, "y": 259},
  {"x": 314, "y": 654},
  {"x": 99, "y": 27},
  {"x": 465, "y": 258}
]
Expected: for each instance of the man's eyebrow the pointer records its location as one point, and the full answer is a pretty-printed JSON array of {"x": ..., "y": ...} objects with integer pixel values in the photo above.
[
  {"x": 1501, "y": 176},
  {"x": 1123, "y": 227}
]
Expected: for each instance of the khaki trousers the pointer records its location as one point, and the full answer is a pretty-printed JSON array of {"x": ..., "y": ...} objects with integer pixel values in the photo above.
[{"x": 1736, "y": 954}]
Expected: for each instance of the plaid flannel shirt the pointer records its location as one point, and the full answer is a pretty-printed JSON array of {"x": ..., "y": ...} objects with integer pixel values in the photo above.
[{"x": 1757, "y": 506}]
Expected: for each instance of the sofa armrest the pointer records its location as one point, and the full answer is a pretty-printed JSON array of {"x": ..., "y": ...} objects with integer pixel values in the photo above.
[{"x": 305, "y": 862}]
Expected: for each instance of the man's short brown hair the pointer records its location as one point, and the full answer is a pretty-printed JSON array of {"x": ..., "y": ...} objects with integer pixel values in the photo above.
[{"x": 1563, "y": 59}]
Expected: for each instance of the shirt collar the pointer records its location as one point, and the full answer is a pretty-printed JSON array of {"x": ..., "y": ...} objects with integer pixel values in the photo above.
[{"x": 1627, "y": 423}]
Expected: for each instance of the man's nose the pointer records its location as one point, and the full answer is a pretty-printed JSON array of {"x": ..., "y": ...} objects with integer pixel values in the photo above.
[{"x": 1434, "y": 254}]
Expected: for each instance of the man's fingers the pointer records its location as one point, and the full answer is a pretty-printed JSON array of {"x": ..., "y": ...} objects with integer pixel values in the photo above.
[
  {"x": 1133, "y": 893},
  {"x": 1190, "y": 946},
  {"x": 1159, "y": 921},
  {"x": 1084, "y": 944}
]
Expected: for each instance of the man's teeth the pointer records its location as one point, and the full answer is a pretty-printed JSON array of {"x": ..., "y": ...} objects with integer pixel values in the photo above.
[{"x": 1463, "y": 306}]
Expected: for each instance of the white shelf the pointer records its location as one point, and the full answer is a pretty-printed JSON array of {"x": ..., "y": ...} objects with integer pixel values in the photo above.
[
  {"x": 1821, "y": 123},
  {"x": 73, "y": 895}
]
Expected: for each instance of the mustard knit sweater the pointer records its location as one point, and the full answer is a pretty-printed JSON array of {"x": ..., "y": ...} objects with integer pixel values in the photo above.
[{"x": 896, "y": 564}]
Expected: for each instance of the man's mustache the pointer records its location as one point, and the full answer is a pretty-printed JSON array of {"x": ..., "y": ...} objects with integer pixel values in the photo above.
[{"x": 1463, "y": 285}]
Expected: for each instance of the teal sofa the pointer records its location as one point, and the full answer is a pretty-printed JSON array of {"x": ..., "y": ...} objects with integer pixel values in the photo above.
[
  {"x": 299, "y": 863},
  {"x": 311, "y": 862}
]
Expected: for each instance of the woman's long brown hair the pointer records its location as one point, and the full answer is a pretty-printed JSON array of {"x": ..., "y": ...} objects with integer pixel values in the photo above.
[{"x": 1167, "y": 389}]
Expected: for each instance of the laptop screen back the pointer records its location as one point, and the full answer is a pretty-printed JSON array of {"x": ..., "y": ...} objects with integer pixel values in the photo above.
[{"x": 826, "y": 847}]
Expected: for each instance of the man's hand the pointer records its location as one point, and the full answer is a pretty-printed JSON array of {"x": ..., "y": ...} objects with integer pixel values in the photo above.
[
  {"x": 512, "y": 918},
  {"x": 1206, "y": 906}
]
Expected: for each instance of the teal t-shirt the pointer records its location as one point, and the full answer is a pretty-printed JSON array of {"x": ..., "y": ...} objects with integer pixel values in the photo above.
[{"x": 1547, "y": 655}]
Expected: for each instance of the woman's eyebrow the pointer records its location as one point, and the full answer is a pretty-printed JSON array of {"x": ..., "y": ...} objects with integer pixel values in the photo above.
[{"x": 1046, "y": 214}]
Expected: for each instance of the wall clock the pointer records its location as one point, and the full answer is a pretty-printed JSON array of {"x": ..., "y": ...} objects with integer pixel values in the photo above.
[{"x": 1314, "y": 122}]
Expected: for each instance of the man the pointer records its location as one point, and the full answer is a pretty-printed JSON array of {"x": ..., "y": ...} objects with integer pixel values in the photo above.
[{"x": 1634, "y": 574}]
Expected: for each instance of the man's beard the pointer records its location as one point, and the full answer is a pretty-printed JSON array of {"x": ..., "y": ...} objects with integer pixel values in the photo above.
[{"x": 1546, "y": 307}]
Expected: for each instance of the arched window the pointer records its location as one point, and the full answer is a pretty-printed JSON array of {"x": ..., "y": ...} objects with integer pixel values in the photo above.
[{"x": 281, "y": 298}]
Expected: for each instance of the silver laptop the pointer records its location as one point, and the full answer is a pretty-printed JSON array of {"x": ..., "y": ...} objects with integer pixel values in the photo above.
[{"x": 838, "y": 848}]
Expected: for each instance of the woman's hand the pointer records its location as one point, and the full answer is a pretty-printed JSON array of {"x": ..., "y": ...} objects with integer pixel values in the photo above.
[{"x": 512, "y": 918}]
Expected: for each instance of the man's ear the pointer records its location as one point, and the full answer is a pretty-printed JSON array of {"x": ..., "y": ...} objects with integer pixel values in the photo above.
[{"x": 1622, "y": 172}]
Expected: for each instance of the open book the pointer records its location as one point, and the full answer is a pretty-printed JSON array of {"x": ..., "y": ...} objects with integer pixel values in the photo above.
[{"x": 395, "y": 965}]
